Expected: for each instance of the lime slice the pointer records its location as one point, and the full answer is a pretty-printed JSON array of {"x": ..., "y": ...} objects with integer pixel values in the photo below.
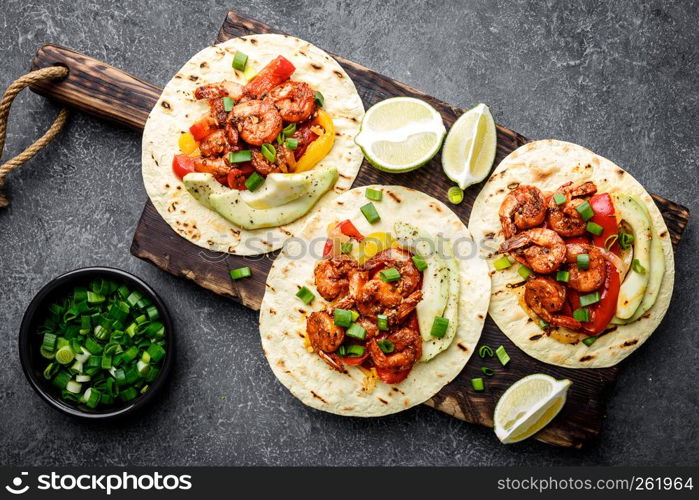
[
  {"x": 528, "y": 406},
  {"x": 469, "y": 149},
  {"x": 400, "y": 134}
]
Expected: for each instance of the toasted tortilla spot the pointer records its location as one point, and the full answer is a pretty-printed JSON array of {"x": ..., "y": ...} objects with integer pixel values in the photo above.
[
  {"x": 318, "y": 397},
  {"x": 462, "y": 347},
  {"x": 205, "y": 64},
  {"x": 280, "y": 363},
  {"x": 629, "y": 343},
  {"x": 316, "y": 66},
  {"x": 338, "y": 74},
  {"x": 587, "y": 357},
  {"x": 165, "y": 105},
  {"x": 535, "y": 337},
  {"x": 193, "y": 78},
  {"x": 512, "y": 185},
  {"x": 253, "y": 41},
  {"x": 480, "y": 316},
  {"x": 663, "y": 234},
  {"x": 394, "y": 196},
  {"x": 383, "y": 401},
  {"x": 620, "y": 172}
]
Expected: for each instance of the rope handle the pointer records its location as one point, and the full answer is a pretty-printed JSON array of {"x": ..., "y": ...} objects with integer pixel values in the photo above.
[{"x": 48, "y": 73}]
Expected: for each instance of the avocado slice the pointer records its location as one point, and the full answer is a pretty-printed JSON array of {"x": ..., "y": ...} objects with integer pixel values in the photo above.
[
  {"x": 634, "y": 286},
  {"x": 250, "y": 211}
]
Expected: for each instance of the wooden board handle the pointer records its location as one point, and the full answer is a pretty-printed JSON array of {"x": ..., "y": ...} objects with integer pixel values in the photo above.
[{"x": 96, "y": 87}]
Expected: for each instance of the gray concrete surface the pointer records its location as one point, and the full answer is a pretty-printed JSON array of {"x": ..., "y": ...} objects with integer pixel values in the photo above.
[{"x": 618, "y": 77}]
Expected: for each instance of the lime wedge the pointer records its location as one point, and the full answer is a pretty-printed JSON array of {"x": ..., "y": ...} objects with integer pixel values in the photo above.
[
  {"x": 528, "y": 406},
  {"x": 400, "y": 134},
  {"x": 469, "y": 149}
]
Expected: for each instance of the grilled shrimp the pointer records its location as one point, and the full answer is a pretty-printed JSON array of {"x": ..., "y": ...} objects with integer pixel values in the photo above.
[
  {"x": 323, "y": 333},
  {"x": 546, "y": 297},
  {"x": 407, "y": 348},
  {"x": 523, "y": 208},
  {"x": 331, "y": 276},
  {"x": 541, "y": 249},
  {"x": 215, "y": 166},
  {"x": 282, "y": 163},
  {"x": 294, "y": 100},
  {"x": 214, "y": 92},
  {"x": 258, "y": 122},
  {"x": 401, "y": 260},
  {"x": 214, "y": 144},
  {"x": 592, "y": 278},
  {"x": 564, "y": 218}
]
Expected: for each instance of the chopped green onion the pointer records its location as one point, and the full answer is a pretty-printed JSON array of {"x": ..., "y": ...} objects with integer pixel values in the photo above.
[
  {"x": 228, "y": 103},
  {"x": 342, "y": 317},
  {"x": 485, "y": 351},
  {"x": 74, "y": 387},
  {"x": 477, "y": 384},
  {"x": 341, "y": 351},
  {"x": 589, "y": 299},
  {"x": 356, "y": 331},
  {"x": 386, "y": 346},
  {"x": 320, "y": 100},
  {"x": 583, "y": 261},
  {"x": 269, "y": 152},
  {"x": 152, "y": 313},
  {"x": 94, "y": 298},
  {"x": 439, "y": 327},
  {"x": 389, "y": 275},
  {"x": 354, "y": 351},
  {"x": 65, "y": 355},
  {"x": 559, "y": 198},
  {"x": 305, "y": 295},
  {"x": 369, "y": 211},
  {"x": 455, "y": 195},
  {"x": 382, "y": 322},
  {"x": 488, "y": 372},
  {"x": 589, "y": 341},
  {"x": 502, "y": 263},
  {"x": 82, "y": 378},
  {"x": 419, "y": 262},
  {"x": 241, "y": 156},
  {"x": 50, "y": 370},
  {"x": 373, "y": 194},
  {"x": 61, "y": 379},
  {"x": 254, "y": 181},
  {"x": 346, "y": 247},
  {"x": 289, "y": 130},
  {"x": 291, "y": 143},
  {"x": 240, "y": 60},
  {"x": 609, "y": 242},
  {"x": 582, "y": 314},
  {"x": 49, "y": 342},
  {"x": 128, "y": 394},
  {"x": 133, "y": 298},
  {"x": 594, "y": 228},
  {"x": 543, "y": 324},
  {"x": 524, "y": 272},
  {"x": 638, "y": 267},
  {"x": 241, "y": 272},
  {"x": 625, "y": 240},
  {"x": 563, "y": 276},
  {"x": 585, "y": 211},
  {"x": 502, "y": 355},
  {"x": 92, "y": 397},
  {"x": 355, "y": 316}
]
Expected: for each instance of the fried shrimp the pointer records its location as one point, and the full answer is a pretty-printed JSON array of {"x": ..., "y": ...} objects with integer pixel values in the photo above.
[
  {"x": 593, "y": 277},
  {"x": 323, "y": 333},
  {"x": 407, "y": 348},
  {"x": 214, "y": 144},
  {"x": 331, "y": 276},
  {"x": 546, "y": 297},
  {"x": 403, "y": 262},
  {"x": 214, "y": 166},
  {"x": 523, "y": 208},
  {"x": 542, "y": 249},
  {"x": 257, "y": 122},
  {"x": 564, "y": 218},
  {"x": 295, "y": 101}
]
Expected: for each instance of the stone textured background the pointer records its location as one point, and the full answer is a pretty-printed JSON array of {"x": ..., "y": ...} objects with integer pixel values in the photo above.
[{"x": 618, "y": 77}]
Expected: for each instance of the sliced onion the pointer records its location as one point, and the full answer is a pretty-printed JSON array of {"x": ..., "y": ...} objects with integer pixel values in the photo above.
[{"x": 613, "y": 258}]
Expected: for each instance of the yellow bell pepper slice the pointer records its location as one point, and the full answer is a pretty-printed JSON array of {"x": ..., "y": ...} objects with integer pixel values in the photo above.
[
  {"x": 187, "y": 143},
  {"x": 318, "y": 149},
  {"x": 371, "y": 245}
]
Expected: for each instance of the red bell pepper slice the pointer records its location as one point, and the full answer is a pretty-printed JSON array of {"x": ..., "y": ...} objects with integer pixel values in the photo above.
[
  {"x": 354, "y": 361},
  {"x": 276, "y": 72},
  {"x": 182, "y": 165},
  {"x": 348, "y": 229},
  {"x": 603, "y": 311},
  {"x": 202, "y": 128},
  {"x": 605, "y": 216}
]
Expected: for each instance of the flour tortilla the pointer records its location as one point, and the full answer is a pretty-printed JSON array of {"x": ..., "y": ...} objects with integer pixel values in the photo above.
[
  {"x": 548, "y": 164},
  {"x": 283, "y": 316},
  {"x": 177, "y": 109}
]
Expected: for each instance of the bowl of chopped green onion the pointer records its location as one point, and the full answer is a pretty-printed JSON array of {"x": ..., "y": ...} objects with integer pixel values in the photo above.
[{"x": 96, "y": 343}]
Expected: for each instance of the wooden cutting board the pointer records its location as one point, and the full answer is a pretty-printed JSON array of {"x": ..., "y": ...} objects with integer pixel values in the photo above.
[{"x": 105, "y": 91}]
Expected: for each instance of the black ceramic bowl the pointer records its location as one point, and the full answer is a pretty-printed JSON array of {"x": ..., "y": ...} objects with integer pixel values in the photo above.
[{"x": 33, "y": 363}]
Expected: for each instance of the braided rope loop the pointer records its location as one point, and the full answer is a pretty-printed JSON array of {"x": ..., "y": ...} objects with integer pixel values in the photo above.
[{"x": 21, "y": 83}]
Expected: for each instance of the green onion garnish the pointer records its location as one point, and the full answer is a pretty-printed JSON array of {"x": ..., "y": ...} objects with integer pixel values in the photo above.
[
  {"x": 65, "y": 355},
  {"x": 502, "y": 355},
  {"x": 49, "y": 342},
  {"x": 240, "y": 60},
  {"x": 589, "y": 299},
  {"x": 228, "y": 103},
  {"x": 342, "y": 317},
  {"x": 289, "y": 130},
  {"x": 382, "y": 322},
  {"x": 355, "y": 315},
  {"x": 502, "y": 263},
  {"x": 589, "y": 341},
  {"x": 254, "y": 181},
  {"x": 369, "y": 211},
  {"x": 241, "y": 272},
  {"x": 346, "y": 247},
  {"x": 543, "y": 324},
  {"x": 488, "y": 372},
  {"x": 524, "y": 272},
  {"x": 583, "y": 261},
  {"x": 320, "y": 100},
  {"x": 585, "y": 211},
  {"x": 419, "y": 262},
  {"x": 455, "y": 195},
  {"x": 269, "y": 152},
  {"x": 240, "y": 156},
  {"x": 356, "y": 331},
  {"x": 625, "y": 240},
  {"x": 563, "y": 276},
  {"x": 373, "y": 194},
  {"x": 305, "y": 295},
  {"x": 485, "y": 351},
  {"x": 609, "y": 242},
  {"x": 559, "y": 198},
  {"x": 477, "y": 384},
  {"x": 354, "y": 351},
  {"x": 389, "y": 275},
  {"x": 637, "y": 267},
  {"x": 594, "y": 228},
  {"x": 291, "y": 143},
  {"x": 386, "y": 346},
  {"x": 582, "y": 315},
  {"x": 439, "y": 327}
]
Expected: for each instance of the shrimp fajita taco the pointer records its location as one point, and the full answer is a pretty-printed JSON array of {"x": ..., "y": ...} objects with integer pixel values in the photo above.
[
  {"x": 378, "y": 305},
  {"x": 247, "y": 138},
  {"x": 581, "y": 260}
]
